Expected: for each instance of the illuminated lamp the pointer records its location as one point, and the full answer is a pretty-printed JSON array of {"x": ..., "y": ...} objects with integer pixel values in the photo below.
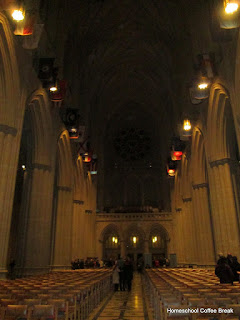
[
  {"x": 116, "y": 240},
  {"x": 86, "y": 157},
  {"x": 187, "y": 125},
  {"x": 25, "y": 26},
  {"x": 59, "y": 94},
  {"x": 73, "y": 133},
  {"x": 18, "y": 14},
  {"x": 113, "y": 239},
  {"x": 154, "y": 239},
  {"x": 201, "y": 88},
  {"x": 229, "y": 16},
  {"x": 171, "y": 167},
  {"x": 23, "y": 167},
  {"x": 134, "y": 240},
  {"x": 177, "y": 149}
]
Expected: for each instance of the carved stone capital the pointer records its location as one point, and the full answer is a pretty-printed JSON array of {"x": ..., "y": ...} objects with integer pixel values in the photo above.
[
  {"x": 221, "y": 162},
  {"x": 8, "y": 130},
  {"x": 80, "y": 202},
  {"x": 200, "y": 185}
]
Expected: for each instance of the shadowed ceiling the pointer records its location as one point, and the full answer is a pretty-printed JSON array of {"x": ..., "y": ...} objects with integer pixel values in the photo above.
[{"x": 125, "y": 62}]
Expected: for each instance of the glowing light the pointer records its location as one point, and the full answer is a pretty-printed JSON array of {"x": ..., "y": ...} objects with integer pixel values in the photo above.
[
  {"x": 23, "y": 167},
  {"x": 86, "y": 157},
  {"x": 171, "y": 171},
  {"x": 231, "y": 7},
  {"x": 134, "y": 239},
  {"x": 203, "y": 86},
  {"x": 187, "y": 125},
  {"x": 53, "y": 89},
  {"x": 177, "y": 153},
  {"x": 113, "y": 239},
  {"x": 18, "y": 15},
  {"x": 116, "y": 240},
  {"x": 154, "y": 239}
]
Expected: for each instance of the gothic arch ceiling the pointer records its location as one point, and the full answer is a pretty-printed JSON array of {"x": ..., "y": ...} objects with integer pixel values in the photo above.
[
  {"x": 126, "y": 50},
  {"x": 124, "y": 56}
]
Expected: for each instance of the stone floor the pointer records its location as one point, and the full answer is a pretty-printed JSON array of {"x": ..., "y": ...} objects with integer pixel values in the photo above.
[{"x": 125, "y": 305}]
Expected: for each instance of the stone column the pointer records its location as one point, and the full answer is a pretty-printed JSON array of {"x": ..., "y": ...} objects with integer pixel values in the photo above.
[
  {"x": 188, "y": 233},
  {"x": 63, "y": 233},
  {"x": 146, "y": 246},
  {"x": 205, "y": 247},
  {"x": 9, "y": 146},
  {"x": 77, "y": 232},
  {"x": 224, "y": 211},
  {"x": 37, "y": 249}
]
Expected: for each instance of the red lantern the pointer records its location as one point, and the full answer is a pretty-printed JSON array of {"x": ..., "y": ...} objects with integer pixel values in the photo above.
[
  {"x": 86, "y": 157},
  {"x": 25, "y": 27},
  {"x": 59, "y": 95}
]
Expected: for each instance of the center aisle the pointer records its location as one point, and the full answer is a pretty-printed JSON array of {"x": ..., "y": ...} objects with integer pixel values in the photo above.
[{"x": 124, "y": 305}]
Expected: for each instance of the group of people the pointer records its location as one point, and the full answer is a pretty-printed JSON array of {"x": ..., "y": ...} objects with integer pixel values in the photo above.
[
  {"x": 227, "y": 269},
  {"x": 161, "y": 262},
  {"x": 123, "y": 274},
  {"x": 89, "y": 263}
]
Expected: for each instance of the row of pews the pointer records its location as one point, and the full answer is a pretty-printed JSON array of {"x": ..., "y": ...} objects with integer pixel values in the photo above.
[
  {"x": 66, "y": 295},
  {"x": 191, "y": 294}
]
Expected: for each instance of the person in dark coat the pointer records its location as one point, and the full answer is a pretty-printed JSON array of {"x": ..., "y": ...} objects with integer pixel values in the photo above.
[
  {"x": 224, "y": 272},
  {"x": 235, "y": 266},
  {"x": 120, "y": 264},
  {"x": 128, "y": 273}
]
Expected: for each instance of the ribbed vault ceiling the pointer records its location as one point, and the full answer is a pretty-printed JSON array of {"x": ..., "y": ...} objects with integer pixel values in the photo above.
[{"x": 123, "y": 59}]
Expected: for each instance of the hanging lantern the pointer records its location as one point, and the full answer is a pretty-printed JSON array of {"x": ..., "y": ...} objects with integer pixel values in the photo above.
[
  {"x": 177, "y": 149},
  {"x": 201, "y": 88},
  {"x": 187, "y": 125},
  {"x": 229, "y": 16},
  {"x": 86, "y": 157},
  {"x": 18, "y": 14},
  {"x": 73, "y": 133},
  {"x": 171, "y": 167},
  {"x": 24, "y": 27},
  {"x": 59, "y": 94}
]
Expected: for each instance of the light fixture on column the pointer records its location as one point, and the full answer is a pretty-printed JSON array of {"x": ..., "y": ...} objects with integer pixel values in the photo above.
[
  {"x": 53, "y": 87},
  {"x": 134, "y": 240},
  {"x": 171, "y": 167},
  {"x": 200, "y": 89},
  {"x": 18, "y": 14},
  {"x": 203, "y": 78},
  {"x": 177, "y": 149},
  {"x": 59, "y": 94},
  {"x": 113, "y": 239},
  {"x": 23, "y": 167},
  {"x": 187, "y": 125},
  {"x": 231, "y": 6},
  {"x": 230, "y": 14},
  {"x": 86, "y": 157}
]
